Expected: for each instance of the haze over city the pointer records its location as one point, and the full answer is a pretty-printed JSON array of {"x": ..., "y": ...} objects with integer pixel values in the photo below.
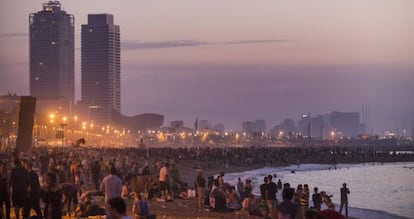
[{"x": 233, "y": 61}]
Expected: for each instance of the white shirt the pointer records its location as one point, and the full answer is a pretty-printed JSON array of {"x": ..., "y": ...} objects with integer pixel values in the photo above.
[{"x": 112, "y": 186}]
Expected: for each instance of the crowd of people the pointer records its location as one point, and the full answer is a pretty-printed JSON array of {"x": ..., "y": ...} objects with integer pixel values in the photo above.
[
  {"x": 71, "y": 182},
  {"x": 295, "y": 204}
]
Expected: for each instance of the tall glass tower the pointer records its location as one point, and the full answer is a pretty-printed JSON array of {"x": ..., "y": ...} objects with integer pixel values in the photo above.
[
  {"x": 101, "y": 67},
  {"x": 52, "y": 74}
]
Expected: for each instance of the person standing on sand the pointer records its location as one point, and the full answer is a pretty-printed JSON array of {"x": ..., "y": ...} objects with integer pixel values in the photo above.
[
  {"x": 271, "y": 195},
  {"x": 240, "y": 188},
  {"x": 34, "y": 192},
  {"x": 111, "y": 185},
  {"x": 163, "y": 181},
  {"x": 287, "y": 208},
  {"x": 221, "y": 180},
  {"x": 317, "y": 199},
  {"x": 52, "y": 195},
  {"x": 201, "y": 185},
  {"x": 304, "y": 199},
  {"x": 4, "y": 191},
  {"x": 344, "y": 199},
  {"x": 264, "y": 193},
  {"x": 19, "y": 184}
]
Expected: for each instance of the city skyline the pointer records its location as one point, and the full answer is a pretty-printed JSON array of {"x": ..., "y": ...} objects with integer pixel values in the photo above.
[
  {"x": 100, "y": 82},
  {"x": 244, "y": 61}
]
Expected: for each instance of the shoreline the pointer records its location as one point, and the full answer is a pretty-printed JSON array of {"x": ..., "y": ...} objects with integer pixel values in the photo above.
[
  {"x": 354, "y": 211},
  {"x": 188, "y": 172}
]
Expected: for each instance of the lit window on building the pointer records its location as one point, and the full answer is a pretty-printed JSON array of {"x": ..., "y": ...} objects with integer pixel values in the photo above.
[
  {"x": 53, "y": 43},
  {"x": 40, "y": 63},
  {"x": 90, "y": 30},
  {"x": 36, "y": 78}
]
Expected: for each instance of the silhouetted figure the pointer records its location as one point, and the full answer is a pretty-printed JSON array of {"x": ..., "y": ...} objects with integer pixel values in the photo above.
[
  {"x": 344, "y": 199},
  {"x": 287, "y": 208},
  {"x": 4, "y": 190},
  {"x": 51, "y": 195},
  {"x": 317, "y": 199},
  {"x": 117, "y": 208},
  {"x": 19, "y": 183},
  {"x": 34, "y": 192}
]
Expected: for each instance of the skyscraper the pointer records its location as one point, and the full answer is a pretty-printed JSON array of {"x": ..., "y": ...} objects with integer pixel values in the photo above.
[
  {"x": 52, "y": 74},
  {"x": 101, "y": 67}
]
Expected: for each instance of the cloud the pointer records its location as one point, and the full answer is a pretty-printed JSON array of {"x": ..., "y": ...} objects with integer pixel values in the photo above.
[
  {"x": 138, "y": 45},
  {"x": 13, "y": 35},
  {"x": 142, "y": 45},
  {"x": 256, "y": 41}
]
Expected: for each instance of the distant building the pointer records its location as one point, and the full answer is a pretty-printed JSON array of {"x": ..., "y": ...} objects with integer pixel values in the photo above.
[
  {"x": 204, "y": 124},
  {"x": 254, "y": 127},
  {"x": 347, "y": 123},
  {"x": 177, "y": 124},
  {"x": 9, "y": 102},
  {"x": 101, "y": 67},
  {"x": 16, "y": 121},
  {"x": 260, "y": 125},
  {"x": 318, "y": 127},
  {"x": 305, "y": 125},
  {"x": 287, "y": 127},
  {"x": 9, "y": 118},
  {"x": 219, "y": 127},
  {"x": 52, "y": 47},
  {"x": 248, "y": 126}
]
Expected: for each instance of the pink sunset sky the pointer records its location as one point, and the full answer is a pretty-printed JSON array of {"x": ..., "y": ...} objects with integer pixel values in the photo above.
[{"x": 233, "y": 60}]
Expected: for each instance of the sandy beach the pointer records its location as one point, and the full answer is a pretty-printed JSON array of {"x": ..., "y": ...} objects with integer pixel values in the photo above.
[{"x": 179, "y": 208}]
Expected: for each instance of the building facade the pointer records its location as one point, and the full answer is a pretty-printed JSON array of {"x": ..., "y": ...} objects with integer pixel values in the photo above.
[
  {"x": 345, "y": 123},
  {"x": 51, "y": 38},
  {"x": 101, "y": 68}
]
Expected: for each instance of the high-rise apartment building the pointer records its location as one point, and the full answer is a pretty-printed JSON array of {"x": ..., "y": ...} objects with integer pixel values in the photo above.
[
  {"x": 52, "y": 74},
  {"x": 346, "y": 123},
  {"x": 101, "y": 67}
]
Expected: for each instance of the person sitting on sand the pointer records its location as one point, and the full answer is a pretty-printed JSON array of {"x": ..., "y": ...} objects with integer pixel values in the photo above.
[
  {"x": 232, "y": 201},
  {"x": 141, "y": 207},
  {"x": 249, "y": 207}
]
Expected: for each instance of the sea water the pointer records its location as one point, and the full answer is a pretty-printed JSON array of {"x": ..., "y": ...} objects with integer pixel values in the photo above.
[{"x": 376, "y": 190}]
